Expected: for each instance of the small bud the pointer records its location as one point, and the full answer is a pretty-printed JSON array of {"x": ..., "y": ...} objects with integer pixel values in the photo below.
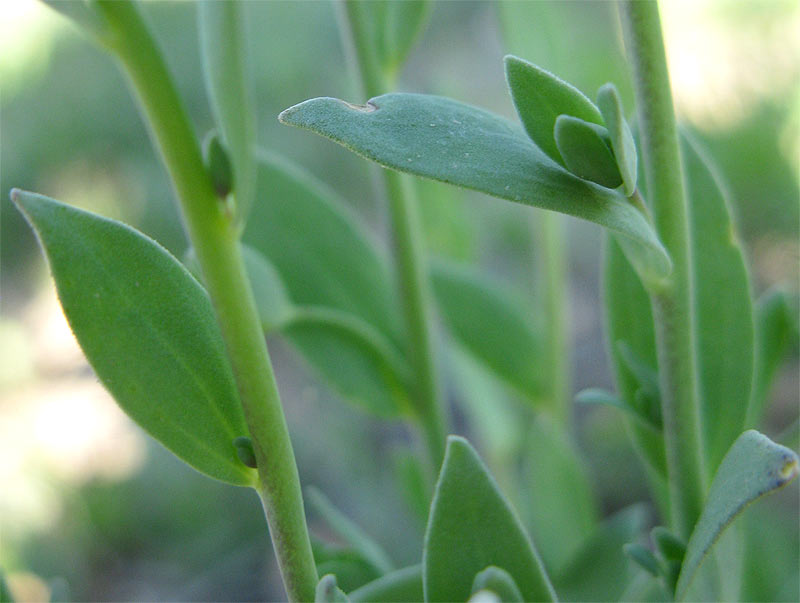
[
  {"x": 586, "y": 151},
  {"x": 218, "y": 164},
  {"x": 667, "y": 544},
  {"x": 643, "y": 557},
  {"x": 245, "y": 452}
]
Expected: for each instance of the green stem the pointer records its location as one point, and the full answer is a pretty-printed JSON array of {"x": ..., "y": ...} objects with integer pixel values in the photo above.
[
  {"x": 214, "y": 237},
  {"x": 408, "y": 251},
  {"x": 671, "y": 300}
]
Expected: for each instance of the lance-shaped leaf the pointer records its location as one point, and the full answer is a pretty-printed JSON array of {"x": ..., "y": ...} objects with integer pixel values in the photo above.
[
  {"x": 753, "y": 467},
  {"x": 723, "y": 309},
  {"x": 472, "y": 526},
  {"x": 498, "y": 581},
  {"x": 400, "y": 586},
  {"x": 491, "y": 325},
  {"x": 540, "y": 97},
  {"x": 620, "y": 136},
  {"x": 446, "y": 140},
  {"x": 222, "y": 44},
  {"x": 586, "y": 151},
  {"x": 148, "y": 330}
]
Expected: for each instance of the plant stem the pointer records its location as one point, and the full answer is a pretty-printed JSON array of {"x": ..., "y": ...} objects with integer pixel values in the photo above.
[
  {"x": 408, "y": 252},
  {"x": 671, "y": 300},
  {"x": 214, "y": 237}
]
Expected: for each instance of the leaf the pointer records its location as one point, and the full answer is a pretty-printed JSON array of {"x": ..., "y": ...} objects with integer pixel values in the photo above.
[
  {"x": 446, "y": 140},
  {"x": 600, "y": 570},
  {"x": 353, "y": 357},
  {"x": 399, "y": 586},
  {"x": 753, "y": 467},
  {"x": 601, "y": 397},
  {"x": 667, "y": 544},
  {"x": 328, "y": 591},
  {"x": 559, "y": 505},
  {"x": 5, "y": 591},
  {"x": 497, "y": 580},
  {"x": 274, "y": 307},
  {"x": 472, "y": 526},
  {"x": 223, "y": 47},
  {"x": 723, "y": 309},
  {"x": 586, "y": 152},
  {"x": 540, "y": 97},
  {"x": 489, "y": 322},
  {"x": 622, "y": 143},
  {"x": 218, "y": 165},
  {"x": 324, "y": 255},
  {"x": 643, "y": 557},
  {"x": 413, "y": 481},
  {"x": 351, "y": 533},
  {"x": 400, "y": 26},
  {"x": 148, "y": 330},
  {"x": 629, "y": 319},
  {"x": 775, "y": 332}
]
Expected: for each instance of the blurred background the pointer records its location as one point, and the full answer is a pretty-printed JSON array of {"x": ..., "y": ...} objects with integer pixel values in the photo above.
[{"x": 91, "y": 508}]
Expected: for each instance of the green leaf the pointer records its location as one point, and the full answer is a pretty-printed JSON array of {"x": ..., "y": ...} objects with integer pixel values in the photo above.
[
  {"x": 559, "y": 505},
  {"x": 472, "y": 526},
  {"x": 667, "y": 544},
  {"x": 218, "y": 165},
  {"x": 775, "y": 332},
  {"x": 347, "y": 564},
  {"x": 400, "y": 586},
  {"x": 622, "y": 142},
  {"x": 446, "y": 140},
  {"x": 353, "y": 357},
  {"x": 723, "y": 309},
  {"x": 148, "y": 330},
  {"x": 753, "y": 467},
  {"x": 586, "y": 151},
  {"x": 540, "y": 97},
  {"x": 491, "y": 324},
  {"x": 643, "y": 557},
  {"x": 396, "y": 26},
  {"x": 413, "y": 481},
  {"x": 600, "y": 570},
  {"x": 350, "y": 532},
  {"x": 323, "y": 253},
  {"x": 629, "y": 319},
  {"x": 498, "y": 581},
  {"x": 223, "y": 48},
  {"x": 328, "y": 591},
  {"x": 601, "y": 397},
  {"x": 5, "y": 591},
  {"x": 274, "y": 307}
]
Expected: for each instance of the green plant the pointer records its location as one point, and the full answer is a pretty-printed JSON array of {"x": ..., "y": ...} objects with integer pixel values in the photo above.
[{"x": 276, "y": 251}]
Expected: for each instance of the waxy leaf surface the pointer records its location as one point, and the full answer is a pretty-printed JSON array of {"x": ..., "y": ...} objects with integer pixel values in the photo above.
[
  {"x": 753, "y": 467},
  {"x": 472, "y": 526},
  {"x": 148, "y": 330},
  {"x": 445, "y": 140}
]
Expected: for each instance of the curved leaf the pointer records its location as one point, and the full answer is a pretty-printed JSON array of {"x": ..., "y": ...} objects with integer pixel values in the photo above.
[
  {"x": 540, "y": 97},
  {"x": 498, "y": 581},
  {"x": 491, "y": 325},
  {"x": 400, "y": 586},
  {"x": 394, "y": 26},
  {"x": 620, "y": 135},
  {"x": 148, "y": 330},
  {"x": 328, "y": 591},
  {"x": 723, "y": 309},
  {"x": 586, "y": 152},
  {"x": 472, "y": 526},
  {"x": 223, "y": 48},
  {"x": 446, "y": 140},
  {"x": 272, "y": 300},
  {"x": 753, "y": 467}
]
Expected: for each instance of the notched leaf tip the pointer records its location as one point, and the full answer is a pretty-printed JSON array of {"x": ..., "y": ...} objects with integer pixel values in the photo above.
[{"x": 368, "y": 107}]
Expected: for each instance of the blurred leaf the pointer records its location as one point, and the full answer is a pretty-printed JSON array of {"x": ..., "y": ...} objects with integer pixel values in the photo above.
[
  {"x": 471, "y": 527},
  {"x": 723, "y": 309},
  {"x": 350, "y": 569},
  {"x": 5, "y": 592},
  {"x": 395, "y": 27},
  {"x": 413, "y": 481},
  {"x": 354, "y": 358},
  {"x": 667, "y": 544},
  {"x": 491, "y": 324},
  {"x": 643, "y": 557},
  {"x": 223, "y": 48},
  {"x": 540, "y": 97},
  {"x": 753, "y": 467},
  {"x": 557, "y": 496},
  {"x": 84, "y": 15},
  {"x": 328, "y": 591},
  {"x": 272, "y": 301},
  {"x": 622, "y": 143},
  {"x": 218, "y": 164},
  {"x": 586, "y": 151},
  {"x": 601, "y": 397},
  {"x": 629, "y": 319},
  {"x": 323, "y": 253},
  {"x": 600, "y": 571},
  {"x": 148, "y": 330},
  {"x": 776, "y": 332},
  {"x": 349, "y": 531},
  {"x": 439, "y": 138},
  {"x": 498, "y": 581},
  {"x": 399, "y": 586}
]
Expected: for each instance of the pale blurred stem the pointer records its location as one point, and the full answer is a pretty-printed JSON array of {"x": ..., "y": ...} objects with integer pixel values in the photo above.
[
  {"x": 408, "y": 253},
  {"x": 671, "y": 300},
  {"x": 215, "y": 240},
  {"x": 551, "y": 256}
]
